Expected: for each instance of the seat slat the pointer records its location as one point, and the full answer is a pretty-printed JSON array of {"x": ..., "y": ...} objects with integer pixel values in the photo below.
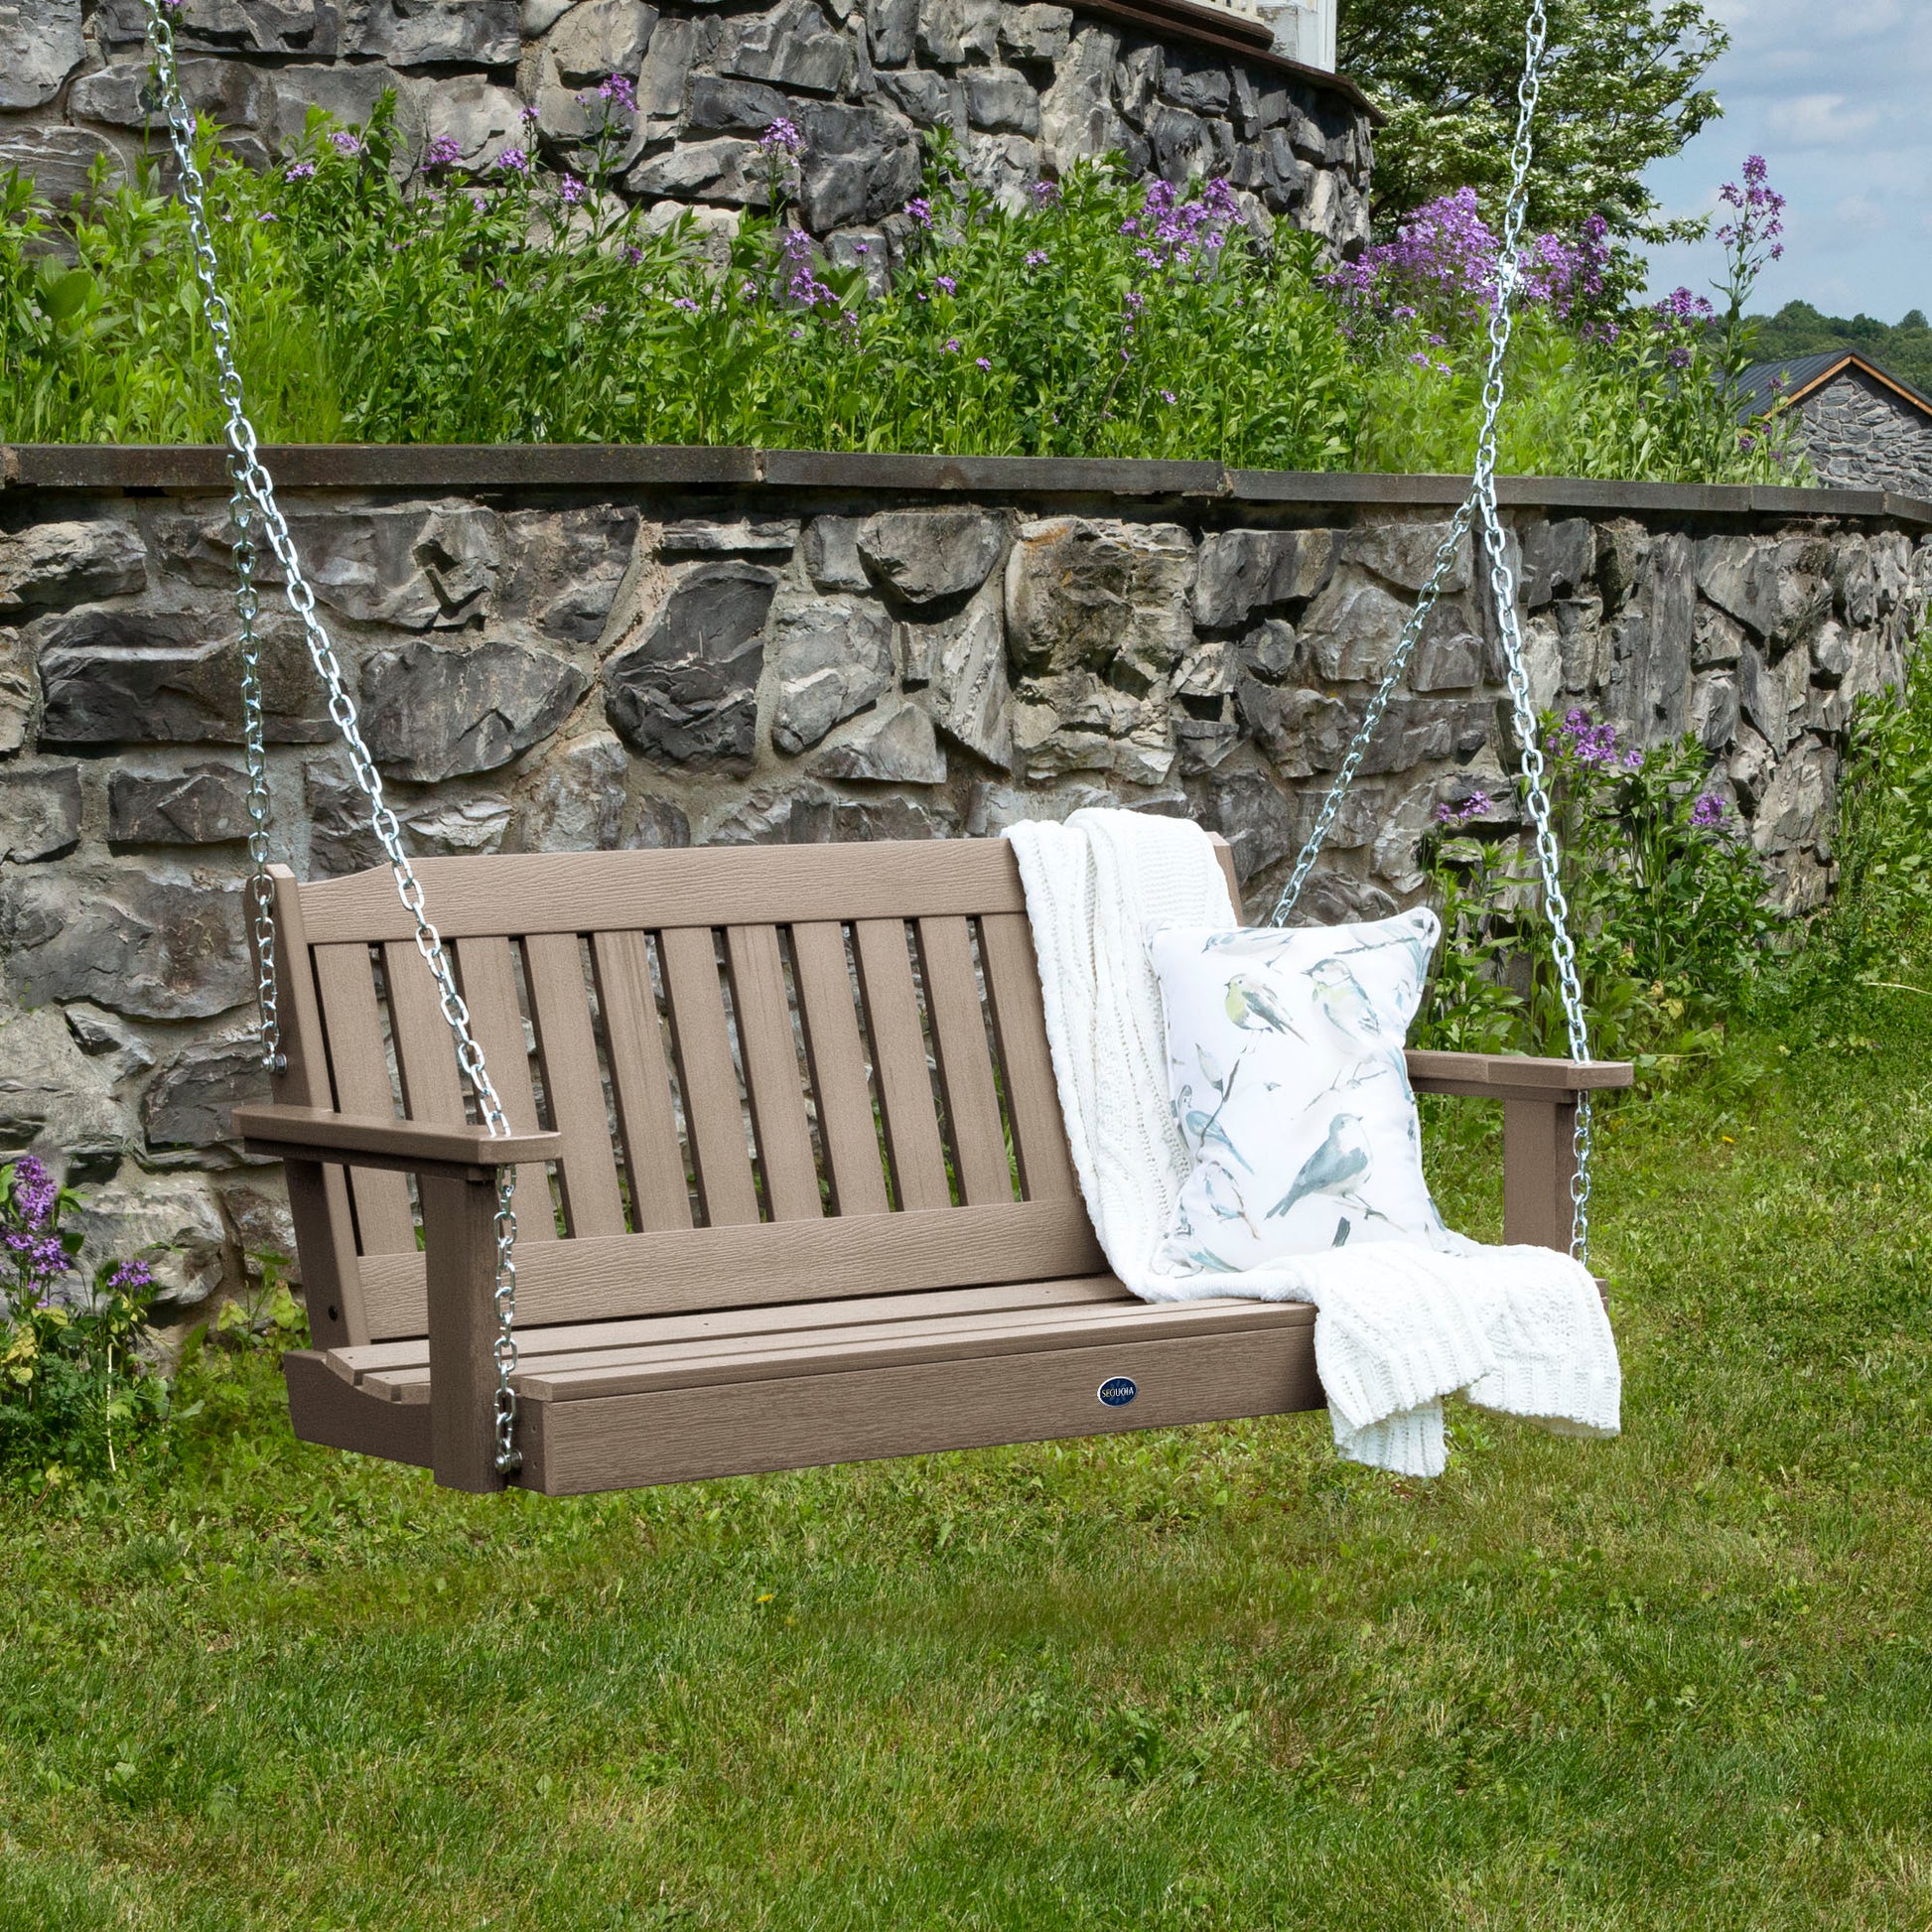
[
  {"x": 971, "y": 1338},
  {"x": 1020, "y": 1024},
  {"x": 578, "y": 1375},
  {"x": 837, "y": 1055},
  {"x": 899, "y": 1060},
  {"x": 534, "y": 1344},
  {"x": 685, "y": 1269},
  {"x": 952, "y": 993},
  {"x": 772, "y": 1073},
  {"x": 654, "y": 1155},
  {"x": 489, "y": 977},
  {"x": 346, "y": 980},
  {"x": 708, "y": 1077},
  {"x": 573, "y": 1082}
]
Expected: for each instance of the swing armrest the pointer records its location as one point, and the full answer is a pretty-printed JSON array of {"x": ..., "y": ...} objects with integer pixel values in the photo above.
[
  {"x": 426, "y": 1148},
  {"x": 1513, "y": 1077}
]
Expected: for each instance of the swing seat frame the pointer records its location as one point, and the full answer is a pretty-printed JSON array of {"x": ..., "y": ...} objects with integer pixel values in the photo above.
[{"x": 812, "y": 1198}]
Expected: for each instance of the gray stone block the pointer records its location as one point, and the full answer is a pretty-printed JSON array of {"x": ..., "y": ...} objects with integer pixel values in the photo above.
[
  {"x": 432, "y": 712},
  {"x": 793, "y": 45},
  {"x": 57, "y": 160},
  {"x": 716, "y": 104},
  {"x": 834, "y": 658},
  {"x": 737, "y": 536},
  {"x": 1100, "y": 593},
  {"x": 600, "y": 37},
  {"x": 566, "y": 568},
  {"x": 1035, "y": 33},
  {"x": 1404, "y": 554},
  {"x": 1202, "y": 85},
  {"x": 688, "y": 692},
  {"x": 1558, "y": 560},
  {"x": 658, "y": 824},
  {"x": 40, "y": 45},
  {"x": 1351, "y": 629},
  {"x": 457, "y": 828},
  {"x": 1448, "y": 654},
  {"x": 860, "y": 164},
  {"x": 961, "y": 663},
  {"x": 928, "y": 556},
  {"x": 136, "y": 677},
  {"x": 832, "y": 558},
  {"x": 573, "y": 802},
  {"x": 16, "y": 691},
  {"x": 49, "y": 566},
  {"x": 309, "y": 28},
  {"x": 929, "y": 99},
  {"x": 202, "y": 804},
  {"x": 188, "y": 1102},
  {"x": 896, "y": 746},
  {"x": 155, "y": 948},
  {"x": 1245, "y": 570},
  {"x": 953, "y": 31},
  {"x": 229, "y": 92},
  {"x": 56, "y": 1102},
  {"x": 452, "y": 33},
  {"x": 40, "y": 811},
  {"x": 891, "y": 28},
  {"x": 172, "y": 1220},
  {"x": 1003, "y": 99}
]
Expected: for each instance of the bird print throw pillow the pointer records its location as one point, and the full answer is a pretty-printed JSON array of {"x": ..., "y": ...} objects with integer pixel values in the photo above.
[{"x": 1284, "y": 1064}]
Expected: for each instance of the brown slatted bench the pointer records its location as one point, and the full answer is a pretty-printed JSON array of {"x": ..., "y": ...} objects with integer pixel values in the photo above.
[{"x": 792, "y": 1180}]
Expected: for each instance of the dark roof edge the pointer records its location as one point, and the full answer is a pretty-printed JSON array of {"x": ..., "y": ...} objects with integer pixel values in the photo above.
[
  {"x": 1227, "y": 33},
  {"x": 577, "y": 467}
]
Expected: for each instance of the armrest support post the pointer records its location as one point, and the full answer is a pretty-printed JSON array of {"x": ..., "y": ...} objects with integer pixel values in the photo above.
[
  {"x": 1538, "y": 1159},
  {"x": 459, "y": 1252}
]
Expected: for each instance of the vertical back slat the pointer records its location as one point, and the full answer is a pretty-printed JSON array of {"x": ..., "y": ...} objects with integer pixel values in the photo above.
[
  {"x": 1020, "y": 1022},
  {"x": 654, "y": 1156},
  {"x": 953, "y": 997},
  {"x": 573, "y": 1082},
  {"x": 712, "y": 1107},
  {"x": 430, "y": 1087},
  {"x": 765, "y": 1038},
  {"x": 345, "y": 981},
  {"x": 837, "y": 1054},
  {"x": 489, "y": 979},
  {"x": 899, "y": 1049}
]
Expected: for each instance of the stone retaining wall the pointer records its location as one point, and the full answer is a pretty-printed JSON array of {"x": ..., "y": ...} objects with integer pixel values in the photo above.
[
  {"x": 1026, "y": 89},
  {"x": 564, "y": 649}
]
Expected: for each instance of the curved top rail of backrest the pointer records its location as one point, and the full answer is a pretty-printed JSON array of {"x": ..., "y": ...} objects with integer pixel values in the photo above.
[{"x": 698, "y": 886}]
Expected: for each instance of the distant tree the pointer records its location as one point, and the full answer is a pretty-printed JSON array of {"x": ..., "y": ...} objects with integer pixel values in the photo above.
[
  {"x": 1620, "y": 91},
  {"x": 1905, "y": 347}
]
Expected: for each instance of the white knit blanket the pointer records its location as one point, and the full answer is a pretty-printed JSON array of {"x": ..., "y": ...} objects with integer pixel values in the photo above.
[{"x": 1397, "y": 1327}]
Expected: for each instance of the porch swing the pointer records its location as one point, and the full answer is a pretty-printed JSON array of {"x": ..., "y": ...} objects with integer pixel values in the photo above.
[{"x": 905, "y": 1265}]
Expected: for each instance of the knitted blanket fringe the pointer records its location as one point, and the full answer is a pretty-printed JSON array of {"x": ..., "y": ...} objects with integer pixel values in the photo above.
[{"x": 1520, "y": 1329}]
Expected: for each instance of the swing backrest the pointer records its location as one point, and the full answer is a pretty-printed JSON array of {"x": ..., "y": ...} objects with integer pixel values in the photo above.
[{"x": 781, "y": 1074}]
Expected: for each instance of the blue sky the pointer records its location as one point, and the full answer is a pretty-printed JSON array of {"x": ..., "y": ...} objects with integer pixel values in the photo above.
[{"x": 1837, "y": 95}]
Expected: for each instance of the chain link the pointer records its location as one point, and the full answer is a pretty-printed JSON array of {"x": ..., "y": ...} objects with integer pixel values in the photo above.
[
  {"x": 1480, "y": 507},
  {"x": 254, "y": 504}
]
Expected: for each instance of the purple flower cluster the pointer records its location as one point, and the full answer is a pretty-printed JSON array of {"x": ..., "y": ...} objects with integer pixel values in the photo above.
[
  {"x": 1708, "y": 811},
  {"x": 571, "y": 189},
  {"x": 1179, "y": 233},
  {"x": 513, "y": 161},
  {"x": 443, "y": 152},
  {"x": 782, "y": 137},
  {"x": 345, "y": 143},
  {"x": 1759, "y": 216},
  {"x": 618, "y": 90},
  {"x": 301, "y": 170},
  {"x": 1589, "y": 743},
  {"x": 1035, "y": 258},
  {"x": 27, "y": 1217},
  {"x": 921, "y": 210},
  {"x": 1472, "y": 806},
  {"x": 1046, "y": 194},
  {"x": 801, "y": 280},
  {"x": 1443, "y": 263}
]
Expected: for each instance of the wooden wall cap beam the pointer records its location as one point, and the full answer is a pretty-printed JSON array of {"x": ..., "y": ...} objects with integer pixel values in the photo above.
[{"x": 605, "y": 469}]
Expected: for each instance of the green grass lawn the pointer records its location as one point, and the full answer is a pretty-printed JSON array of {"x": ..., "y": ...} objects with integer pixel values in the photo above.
[{"x": 1199, "y": 1679}]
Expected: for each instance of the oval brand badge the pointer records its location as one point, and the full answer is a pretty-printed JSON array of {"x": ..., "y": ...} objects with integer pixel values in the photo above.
[{"x": 1118, "y": 1391}]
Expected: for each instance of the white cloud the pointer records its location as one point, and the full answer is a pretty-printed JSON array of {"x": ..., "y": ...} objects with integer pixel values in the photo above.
[{"x": 1821, "y": 120}]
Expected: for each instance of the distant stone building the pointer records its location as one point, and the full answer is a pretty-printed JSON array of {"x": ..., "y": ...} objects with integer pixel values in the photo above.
[{"x": 1862, "y": 427}]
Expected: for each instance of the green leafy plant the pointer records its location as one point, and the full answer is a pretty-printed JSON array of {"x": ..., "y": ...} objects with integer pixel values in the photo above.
[
  {"x": 72, "y": 1379},
  {"x": 1667, "y": 903}
]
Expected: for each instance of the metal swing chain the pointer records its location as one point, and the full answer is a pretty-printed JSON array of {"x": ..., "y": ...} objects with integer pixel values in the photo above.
[
  {"x": 1480, "y": 505},
  {"x": 254, "y": 502}
]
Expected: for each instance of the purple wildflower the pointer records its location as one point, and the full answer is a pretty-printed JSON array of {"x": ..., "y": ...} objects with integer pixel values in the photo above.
[
  {"x": 345, "y": 143},
  {"x": 1035, "y": 258},
  {"x": 1045, "y": 193},
  {"x": 1583, "y": 740},
  {"x": 35, "y": 1192},
  {"x": 529, "y": 115},
  {"x": 267, "y": 215},
  {"x": 782, "y": 137},
  {"x": 513, "y": 161},
  {"x": 570, "y": 189},
  {"x": 801, "y": 284},
  {"x": 619, "y": 90},
  {"x": 980, "y": 363},
  {"x": 130, "y": 1276},
  {"x": 952, "y": 344},
  {"x": 1752, "y": 237},
  {"x": 945, "y": 284},
  {"x": 1706, "y": 811},
  {"x": 685, "y": 302},
  {"x": 443, "y": 152},
  {"x": 1472, "y": 806},
  {"x": 920, "y": 209},
  {"x": 301, "y": 170}
]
